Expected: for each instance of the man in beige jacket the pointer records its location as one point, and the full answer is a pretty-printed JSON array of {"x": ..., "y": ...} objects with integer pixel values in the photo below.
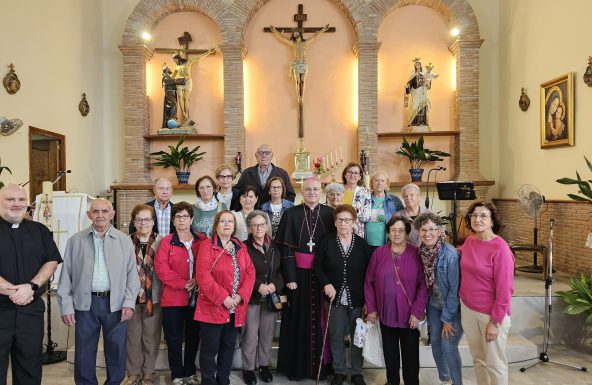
[{"x": 98, "y": 288}]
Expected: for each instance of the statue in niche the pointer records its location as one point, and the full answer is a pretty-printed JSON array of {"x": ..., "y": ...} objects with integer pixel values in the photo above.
[
  {"x": 183, "y": 71},
  {"x": 169, "y": 85},
  {"x": 299, "y": 66},
  {"x": 417, "y": 87}
]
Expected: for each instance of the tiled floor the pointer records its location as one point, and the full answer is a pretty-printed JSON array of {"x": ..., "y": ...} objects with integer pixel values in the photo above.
[{"x": 545, "y": 374}]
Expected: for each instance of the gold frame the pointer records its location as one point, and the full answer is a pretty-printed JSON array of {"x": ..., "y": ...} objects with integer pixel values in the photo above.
[{"x": 561, "y": 89}]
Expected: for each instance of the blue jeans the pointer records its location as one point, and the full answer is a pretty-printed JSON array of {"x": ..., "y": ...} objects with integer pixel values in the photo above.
[
  {"x": 178, "y": 325},
  {"x": 444, "y": 350}
]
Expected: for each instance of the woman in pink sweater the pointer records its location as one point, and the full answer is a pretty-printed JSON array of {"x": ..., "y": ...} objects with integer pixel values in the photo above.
[{"x": 486, "y": 287}]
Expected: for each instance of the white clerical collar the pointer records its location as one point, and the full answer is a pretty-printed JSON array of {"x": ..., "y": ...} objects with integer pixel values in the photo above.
[{"x": 15, "y": 225}]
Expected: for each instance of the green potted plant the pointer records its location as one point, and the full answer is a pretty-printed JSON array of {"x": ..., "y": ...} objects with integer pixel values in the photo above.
[
  {"x": 2, "y": 168},
  {"x": 579, "y": 298},
  {"x": 181, "y": 159},
  {"x": 583, "y": 185},
  {"x": 418, "y": 156}
]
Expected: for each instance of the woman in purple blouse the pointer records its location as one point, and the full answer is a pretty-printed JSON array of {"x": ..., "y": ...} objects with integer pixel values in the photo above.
[{"x": 396, "y": 294}]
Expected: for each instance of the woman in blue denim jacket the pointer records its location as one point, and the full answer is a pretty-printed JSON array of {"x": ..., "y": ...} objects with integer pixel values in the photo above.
[
  {"x": 442, "y": 272},
  {"x": 384, "y": 205}
]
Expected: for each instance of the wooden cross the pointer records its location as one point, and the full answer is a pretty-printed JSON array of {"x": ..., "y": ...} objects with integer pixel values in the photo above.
[
  {"x": 185, "y": 51},
  {"x": 310, "y": 245},
  {"x": 58, "y": 232},
  {"x": 299, "y": 18}
]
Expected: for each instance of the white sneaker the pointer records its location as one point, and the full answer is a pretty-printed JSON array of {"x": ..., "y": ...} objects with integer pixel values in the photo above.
[
  {"x": 192, "y": 380},
  {"x": 179, "y": 381},
  {"x": 449, "y": 382}
]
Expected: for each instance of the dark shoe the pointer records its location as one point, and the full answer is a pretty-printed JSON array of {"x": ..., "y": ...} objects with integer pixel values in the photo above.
[
  {"x": 338, "y": 379},
  {"x": 249, "y": 377},
  {"x": 347, "y": 341},
  {"x": 358, "y": 379},
  {"x": 265, "y": 374}
]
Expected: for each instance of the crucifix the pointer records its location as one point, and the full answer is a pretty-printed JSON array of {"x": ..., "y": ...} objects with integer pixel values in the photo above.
[
  {"x": 182, "y": 72},
  {"x": 294, "y": 36},
  {"x": 310, "y": 245}
]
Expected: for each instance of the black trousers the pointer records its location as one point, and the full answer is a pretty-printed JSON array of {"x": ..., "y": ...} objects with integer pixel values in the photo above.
[
  {"x": 21, "y": 338},
  {"x": 408, "y": 339},
  {"x": 178, "y": 325},
  {"x": 217, "y": 340}
]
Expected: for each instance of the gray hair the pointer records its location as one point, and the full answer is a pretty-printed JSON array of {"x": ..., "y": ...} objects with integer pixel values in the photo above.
[
  {"x": 425, "y": 218},
  {"x": 411, "y": 186},
  {"x": 334, "y": 187},
  {"x": 256, "y": 213}
]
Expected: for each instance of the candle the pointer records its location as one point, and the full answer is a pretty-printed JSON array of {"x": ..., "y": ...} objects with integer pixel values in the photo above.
[
  {"x": 341, "y": 153},
  {"x": 331, "y": 156}
]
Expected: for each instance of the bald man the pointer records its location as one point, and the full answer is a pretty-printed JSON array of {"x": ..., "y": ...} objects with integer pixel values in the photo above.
[
  {"x": 28, "y": 258},
  {"x": 98, "y": 288}
]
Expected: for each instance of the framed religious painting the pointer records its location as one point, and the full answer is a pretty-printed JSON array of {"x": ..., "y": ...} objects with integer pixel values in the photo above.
[{"x": 557, "y": 112}]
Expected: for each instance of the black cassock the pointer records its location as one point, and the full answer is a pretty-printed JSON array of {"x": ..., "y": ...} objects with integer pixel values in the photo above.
[
  {"x": 300, "y": 332},
  {"x": 23, "y": 251}
]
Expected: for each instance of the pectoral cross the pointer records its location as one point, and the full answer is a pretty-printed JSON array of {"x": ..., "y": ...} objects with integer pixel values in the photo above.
[{"x": 310, "y": 245}]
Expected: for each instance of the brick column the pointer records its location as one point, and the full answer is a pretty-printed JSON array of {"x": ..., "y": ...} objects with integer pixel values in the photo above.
[
  {"x": 136, "y": 113},
  {"x": 367, "y": 52},
  {"x": 234, "y": 119},
  {"x": 466, "y": 114}
]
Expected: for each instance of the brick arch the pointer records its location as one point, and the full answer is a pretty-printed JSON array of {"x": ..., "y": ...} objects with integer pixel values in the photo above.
[{"x": 148, "y": 13}]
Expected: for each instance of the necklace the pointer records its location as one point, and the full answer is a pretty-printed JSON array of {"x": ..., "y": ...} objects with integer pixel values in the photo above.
[{"x": 310, "y": 243}]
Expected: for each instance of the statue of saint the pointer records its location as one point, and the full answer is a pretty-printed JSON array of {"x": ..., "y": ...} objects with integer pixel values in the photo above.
[
  {"x": 169, "y": 85},
  {"x": 417, "y": 86},
  {"x": 183, "y": 71},
  {"x": 299, "y": 66}
]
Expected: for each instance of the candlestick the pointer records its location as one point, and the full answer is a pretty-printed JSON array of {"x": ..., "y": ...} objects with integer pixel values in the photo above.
[{"x": 341, "y": 153}]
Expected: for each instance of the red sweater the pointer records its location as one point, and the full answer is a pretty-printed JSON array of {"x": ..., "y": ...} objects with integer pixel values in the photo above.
[
  {"x": 172, "y": 268},
  {"x": 216, "y": 285}
]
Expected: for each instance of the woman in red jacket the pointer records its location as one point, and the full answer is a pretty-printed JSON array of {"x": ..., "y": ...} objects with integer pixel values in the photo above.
[
  {"x": 175, "y": 266},
  {"x": 225, "y": 275}
]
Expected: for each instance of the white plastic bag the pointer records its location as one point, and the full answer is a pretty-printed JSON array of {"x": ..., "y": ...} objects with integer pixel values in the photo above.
[
  {"x": 372, "y": 350},
  {"x": 360, "y": 333}
]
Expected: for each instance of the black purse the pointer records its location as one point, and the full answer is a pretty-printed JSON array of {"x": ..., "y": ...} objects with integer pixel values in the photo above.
[{"x": 274, "y": 302}]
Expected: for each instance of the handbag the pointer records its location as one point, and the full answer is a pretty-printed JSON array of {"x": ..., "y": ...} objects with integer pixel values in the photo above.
[{"x": 274, "y": 301}]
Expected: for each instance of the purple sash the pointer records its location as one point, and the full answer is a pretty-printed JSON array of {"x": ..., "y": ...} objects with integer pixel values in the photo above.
[{"x": 304, "y": 260}]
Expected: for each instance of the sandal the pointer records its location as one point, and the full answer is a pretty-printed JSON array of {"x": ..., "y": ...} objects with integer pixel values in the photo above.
[{"x": 133, "y": 380}]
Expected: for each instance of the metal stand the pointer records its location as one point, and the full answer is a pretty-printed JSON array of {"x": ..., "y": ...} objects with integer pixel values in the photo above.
[
  {"x": 543, "y": 356},
  {"x": 455, "y": 191},
  {"x": 51, "y": 356}
]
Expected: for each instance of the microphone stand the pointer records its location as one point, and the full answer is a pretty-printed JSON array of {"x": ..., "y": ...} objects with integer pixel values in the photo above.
[
  {"x": 427, "y": 200},
  {"x": 51, "y": 356},
  {"x": 60, "y": 175}
]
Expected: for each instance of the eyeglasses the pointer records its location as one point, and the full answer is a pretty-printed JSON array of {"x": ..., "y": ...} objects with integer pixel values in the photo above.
[
  {"x": 275, "y": 187},
  {"x": 182, "y": 217},
  {"x": 164, "y": 188},
  {"x": 143, "y": 220},
  {"x": 480, "y": 216},
  {"x": 264, "y": 153},
  {"x": 353, "y": 173},
  {"x": 344, "y": 220},
  {"x": 258, "y": 225},
  {"x": 430, "y": 230},
  {"x": 224, "y": 176}
]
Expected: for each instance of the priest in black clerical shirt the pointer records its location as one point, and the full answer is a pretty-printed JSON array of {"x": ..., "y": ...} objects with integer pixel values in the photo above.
[
  {"x": 300, "y": 230},
  {"x": 28, "y": 258}
]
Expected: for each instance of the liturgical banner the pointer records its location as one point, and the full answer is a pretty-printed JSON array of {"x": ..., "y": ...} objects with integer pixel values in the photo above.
[{"x": 69, "y": 217}]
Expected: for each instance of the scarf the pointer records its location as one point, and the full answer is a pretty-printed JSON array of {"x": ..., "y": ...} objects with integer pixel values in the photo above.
[
  {"x": 145, "y": 266},
  {"x": 429, "y": 258},
  {"x": 211, "y": 205}
]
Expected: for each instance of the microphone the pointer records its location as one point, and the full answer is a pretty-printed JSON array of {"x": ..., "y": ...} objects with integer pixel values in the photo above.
[
  {"x": 427, "y": 200},
  {"x": 60, "y": 174}
]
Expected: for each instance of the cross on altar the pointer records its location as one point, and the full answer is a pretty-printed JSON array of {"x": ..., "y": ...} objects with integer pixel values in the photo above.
[
  {"x": 184, "y": 41},
  {"x": 310, "y": 245},
  {"x": 299, "y": 45},
  {"x": 58, "y": 232}
]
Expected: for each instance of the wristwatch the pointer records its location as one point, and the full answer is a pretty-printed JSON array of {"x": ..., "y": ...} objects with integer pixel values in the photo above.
[{"x": 34, "y": 286}]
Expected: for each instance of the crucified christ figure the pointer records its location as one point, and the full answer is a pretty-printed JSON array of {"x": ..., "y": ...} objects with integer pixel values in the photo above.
[{"x": 299, "y": 66}]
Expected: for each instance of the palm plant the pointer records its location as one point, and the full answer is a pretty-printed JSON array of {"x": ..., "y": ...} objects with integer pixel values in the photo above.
[
  {"x": 2, "y": 168},
  {"x": 579, "y": 298},
  {"x": 418, "y": 155},
  {"x": 181, "y": 159},
  {"x": 583, "y": 185}
]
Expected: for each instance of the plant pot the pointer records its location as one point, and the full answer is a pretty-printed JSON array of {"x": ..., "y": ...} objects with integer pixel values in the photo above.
[
  {"x": 416, "y": 174},
  {"x": 183, "y": 176}
]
